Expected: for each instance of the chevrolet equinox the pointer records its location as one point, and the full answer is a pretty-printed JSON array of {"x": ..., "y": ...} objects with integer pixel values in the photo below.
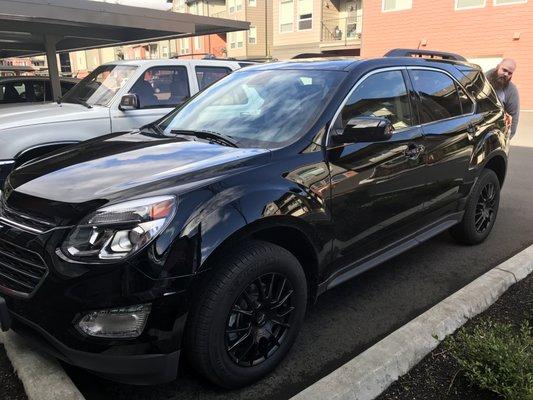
[{"x": 208, "y": 233}]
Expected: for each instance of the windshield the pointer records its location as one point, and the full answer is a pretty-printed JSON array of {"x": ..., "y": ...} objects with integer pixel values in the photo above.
[
  {"x": 100, "y": 86},
  {"x": 258, "y": 108}
]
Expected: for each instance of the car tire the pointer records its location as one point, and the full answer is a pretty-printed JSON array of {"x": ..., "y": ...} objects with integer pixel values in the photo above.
[
  {"x": 259, "y": 289},
  {"x": 481, "y": 210}
]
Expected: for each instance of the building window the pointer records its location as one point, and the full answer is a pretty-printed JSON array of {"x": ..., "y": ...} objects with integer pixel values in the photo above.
[
  {"x": 252, "y": 35},
  {"x": 180, "y": 6},
  {"x": 286, "y": 16},
  {"x": 231, "y": 37},
  {"x": 396, "y": 5},
  {"x": 305, "y": 14},
  {"x": 252, "y": 3},
  {"x": 505, "y": 2},
  {"x": 231, "y": 4},
  {"x": 239, "y": 39},
  {"x": 466, "y": 4},
  {"x": 238, "y": 5},
  {"x": 197, "y": 43}
]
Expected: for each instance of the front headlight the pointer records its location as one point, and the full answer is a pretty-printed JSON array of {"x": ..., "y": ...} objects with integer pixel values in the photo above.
[{"x": 117, "y": 231}]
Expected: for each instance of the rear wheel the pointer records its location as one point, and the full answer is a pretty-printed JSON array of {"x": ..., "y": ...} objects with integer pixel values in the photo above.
[
  {"x": 247, "y": 315},
  {"x": 481, "y": 210}
]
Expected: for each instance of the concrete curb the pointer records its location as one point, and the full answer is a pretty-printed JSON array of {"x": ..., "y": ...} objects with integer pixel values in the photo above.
[
  {"x": 42, "y": 376},
  {"x": 370, "y": 373}
]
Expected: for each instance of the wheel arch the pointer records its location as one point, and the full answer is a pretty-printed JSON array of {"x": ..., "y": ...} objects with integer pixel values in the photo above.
[
  {"x": 283, "y": 231},
  {"x": 498, "y": 163}
]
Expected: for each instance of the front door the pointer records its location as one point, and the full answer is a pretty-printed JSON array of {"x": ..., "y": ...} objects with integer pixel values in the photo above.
[{"x": 378, "y": 189}]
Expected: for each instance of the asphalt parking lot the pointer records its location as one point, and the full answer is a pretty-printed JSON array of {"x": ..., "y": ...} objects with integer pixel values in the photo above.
[{"x": 352, "y": 317}]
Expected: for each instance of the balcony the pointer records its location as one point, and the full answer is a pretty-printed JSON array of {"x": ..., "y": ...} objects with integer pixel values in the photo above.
[{"x": 340, "y": 33}]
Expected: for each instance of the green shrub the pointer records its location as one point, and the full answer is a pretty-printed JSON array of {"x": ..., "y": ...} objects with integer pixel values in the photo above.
[{"x": 496, "y": 357}]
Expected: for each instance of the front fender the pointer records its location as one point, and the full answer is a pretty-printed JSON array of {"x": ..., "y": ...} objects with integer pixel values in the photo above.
[{"x": 231, "y": 215}]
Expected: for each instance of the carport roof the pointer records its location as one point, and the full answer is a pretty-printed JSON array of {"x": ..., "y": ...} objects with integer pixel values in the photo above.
[{"x": 82, "y": 24}]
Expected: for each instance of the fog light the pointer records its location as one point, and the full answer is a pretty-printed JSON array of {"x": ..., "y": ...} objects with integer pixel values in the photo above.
[{"x": 126, "y": 322}]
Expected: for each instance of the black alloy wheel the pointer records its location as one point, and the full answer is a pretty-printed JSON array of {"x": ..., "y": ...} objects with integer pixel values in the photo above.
[
  {"x": 480, "y": 211},
  {"x": 246, "y": 314},
  {"x": 485, "y": 208},
  {"x": 259, "y": 320}
]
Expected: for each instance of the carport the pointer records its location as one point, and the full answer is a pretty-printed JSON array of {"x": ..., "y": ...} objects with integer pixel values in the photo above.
[{"x": 35, "y": 27}]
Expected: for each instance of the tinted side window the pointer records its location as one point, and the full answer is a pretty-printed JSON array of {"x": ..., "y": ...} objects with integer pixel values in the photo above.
[
  {"x": 38, "y": 90},
  {"x": 162, "y": 87},
  {"x": 12, "y": 92},
  {"x": 380, "y": 95},
  {"x": 438, "y": 95},
  {"x": 208, "y": 75},
  {"x": 481, "y": 90},
  {"x": 439, "y": 98}
]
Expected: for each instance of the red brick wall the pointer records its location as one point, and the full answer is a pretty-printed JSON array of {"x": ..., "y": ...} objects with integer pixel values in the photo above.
[{"x": 480, "y": 32}]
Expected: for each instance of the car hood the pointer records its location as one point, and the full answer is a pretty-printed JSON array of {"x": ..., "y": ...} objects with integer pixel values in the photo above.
[
  {"x": 126, "y": 165},
  {"x": 27, "y": 114}
]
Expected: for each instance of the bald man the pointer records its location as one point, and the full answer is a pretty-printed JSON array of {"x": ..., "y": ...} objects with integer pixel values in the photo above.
[{"x": 500, "y": 78}]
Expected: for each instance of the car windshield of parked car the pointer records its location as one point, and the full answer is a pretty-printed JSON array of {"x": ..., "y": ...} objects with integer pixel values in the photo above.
[
  {"x": 258, "y": 108},
  {"x": 100, "y": 86}
]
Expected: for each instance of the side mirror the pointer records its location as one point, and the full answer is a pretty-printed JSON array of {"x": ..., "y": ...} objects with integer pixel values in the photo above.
[
  {"x": 129, "y": 101},
  {"x": 365, "y": 129}
]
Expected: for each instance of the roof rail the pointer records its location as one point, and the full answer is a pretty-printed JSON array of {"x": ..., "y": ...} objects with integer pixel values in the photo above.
[{"x": 428, "y": 53}]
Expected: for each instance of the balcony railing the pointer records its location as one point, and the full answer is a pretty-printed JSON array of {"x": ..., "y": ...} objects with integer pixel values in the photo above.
[{"x": 340, "y": 30}]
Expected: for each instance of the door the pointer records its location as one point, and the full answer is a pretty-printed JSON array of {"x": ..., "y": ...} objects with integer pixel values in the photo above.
[
  {"x": 159, "y": 90},
  {"x": 377, "y": 188},
  {"x": 449, "y": 125}
]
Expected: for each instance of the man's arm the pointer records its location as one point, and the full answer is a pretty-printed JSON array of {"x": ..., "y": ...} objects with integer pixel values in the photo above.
[{"x": 513, "y": 108}]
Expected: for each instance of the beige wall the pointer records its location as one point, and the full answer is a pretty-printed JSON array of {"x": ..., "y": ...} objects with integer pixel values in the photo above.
[{"x": 296, "y": 36}]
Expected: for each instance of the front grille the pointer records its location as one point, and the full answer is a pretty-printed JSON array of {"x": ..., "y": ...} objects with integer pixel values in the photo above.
[
  {"x": 21, "y": 270},
  {"x": 30, "y": 223}
]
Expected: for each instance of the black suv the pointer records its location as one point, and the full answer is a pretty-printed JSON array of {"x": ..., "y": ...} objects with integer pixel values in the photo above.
[{"x": 208, "y": 233}]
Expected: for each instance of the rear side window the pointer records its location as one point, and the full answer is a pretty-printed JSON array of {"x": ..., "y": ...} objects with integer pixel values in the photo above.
[
  {"x": 481, "y": 90},
  {"x": 380, "y": 95},
  {"x": 439, "y": 98},
  {"x": 208, "y": 75}
]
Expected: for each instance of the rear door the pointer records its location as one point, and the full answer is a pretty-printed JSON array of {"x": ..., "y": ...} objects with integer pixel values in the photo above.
[
  {"x": 378, "y": 189},
  {"x": 159, "y": 90},
  {"x": 449, "y": 125}
]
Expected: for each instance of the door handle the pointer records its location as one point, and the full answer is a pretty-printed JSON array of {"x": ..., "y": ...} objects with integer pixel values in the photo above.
[{"x": 413, "y": 151}]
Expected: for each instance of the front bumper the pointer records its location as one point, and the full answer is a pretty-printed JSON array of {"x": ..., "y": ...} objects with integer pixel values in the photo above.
[
  {"x": 48, "y": 316},
  {"x": 147, "y": 369}
]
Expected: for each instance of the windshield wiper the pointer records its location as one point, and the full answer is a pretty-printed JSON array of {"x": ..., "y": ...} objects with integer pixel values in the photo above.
[{"x": 214, "y": 137}]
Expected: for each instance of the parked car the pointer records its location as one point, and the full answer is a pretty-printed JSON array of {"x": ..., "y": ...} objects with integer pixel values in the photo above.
[
  {"x": 208, "y": 233},
  {"x": 30, "y": 89},
  {"x": 115, "y": 97}
]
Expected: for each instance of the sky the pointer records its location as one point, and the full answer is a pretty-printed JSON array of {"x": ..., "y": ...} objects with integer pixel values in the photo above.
[{"x": 153, "y": 4}]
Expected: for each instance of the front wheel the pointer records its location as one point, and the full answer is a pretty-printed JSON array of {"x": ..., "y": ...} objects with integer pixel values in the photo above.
[
  {"x": 247, "y": 314},
  {"x": 481, "y": 210}
]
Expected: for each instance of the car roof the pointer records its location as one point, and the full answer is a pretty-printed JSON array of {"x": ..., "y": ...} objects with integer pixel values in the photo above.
[
  {"x": 349, "y": 64},
  {"x": 34, "y": 78},
  {"x": 172, "y": 61}
]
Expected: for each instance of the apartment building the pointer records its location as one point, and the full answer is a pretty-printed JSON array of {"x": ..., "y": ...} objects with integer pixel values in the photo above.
[
  {"x": 317, "y": 27},
  {"x": 200, "y": 46},
  {"x": 484, "y": 31},
  {"x": 257, "y": 42}
]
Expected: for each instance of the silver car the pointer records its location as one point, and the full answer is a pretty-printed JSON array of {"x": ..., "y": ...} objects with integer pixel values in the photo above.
[{"x": 115, "y": 97}]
